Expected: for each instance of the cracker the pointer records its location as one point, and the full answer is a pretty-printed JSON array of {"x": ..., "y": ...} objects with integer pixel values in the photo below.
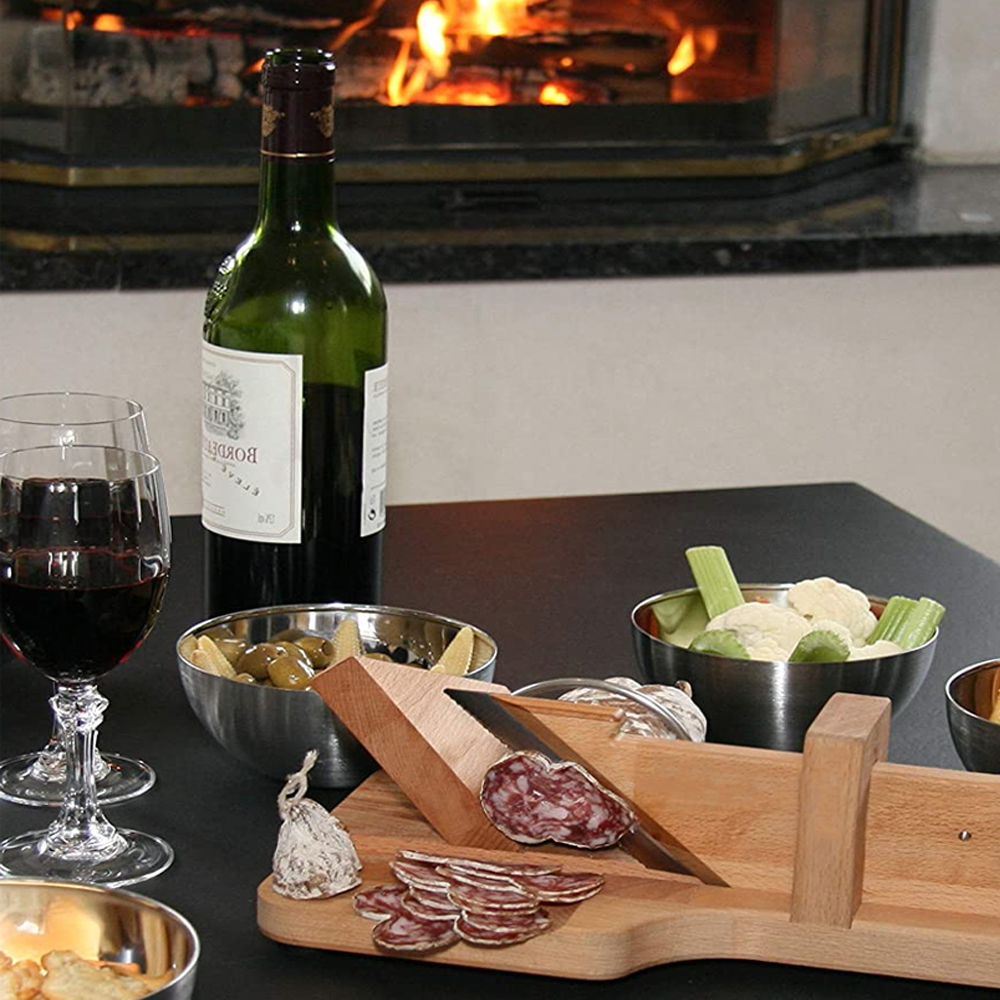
[{"x": 69, "y": 977}]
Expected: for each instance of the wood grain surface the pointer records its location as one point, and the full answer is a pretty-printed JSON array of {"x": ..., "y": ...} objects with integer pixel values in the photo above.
[{"x": 833, "y": 858}]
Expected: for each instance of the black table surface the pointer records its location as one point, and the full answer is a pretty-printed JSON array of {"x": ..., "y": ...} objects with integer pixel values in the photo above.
[{"x": 553, "y": 581}]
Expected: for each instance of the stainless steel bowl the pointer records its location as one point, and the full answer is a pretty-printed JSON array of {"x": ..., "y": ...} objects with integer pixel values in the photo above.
[
  {"x": 107, "y": 925},
  {"x": 969, "y": 699},
  {"x": 271, "y": 729},
  {"x": 753, "y": 702}
]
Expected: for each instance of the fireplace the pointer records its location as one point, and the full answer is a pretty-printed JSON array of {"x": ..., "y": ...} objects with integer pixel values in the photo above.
[{"x": 456, "y": 101}]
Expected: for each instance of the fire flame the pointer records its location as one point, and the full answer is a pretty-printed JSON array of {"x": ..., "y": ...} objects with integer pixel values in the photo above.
[
  {"x": 448, "y": 31},
  {"x": 108, "y": 22},
  {"x": 431, "y": 23},
  {"x": 684, "y": 56},
  {"x": 442, "y": 28},
  {"x": 694, "y": 45},
  {"x": 497, "y": 17},
  {"x": 553, "y": 93},
  {"x": 71, "y": 18}
]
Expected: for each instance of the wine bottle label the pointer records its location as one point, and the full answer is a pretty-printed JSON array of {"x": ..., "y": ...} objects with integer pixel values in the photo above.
[
  {"x": 374, "y": 450},
  {"x": 251, "y": 464}
]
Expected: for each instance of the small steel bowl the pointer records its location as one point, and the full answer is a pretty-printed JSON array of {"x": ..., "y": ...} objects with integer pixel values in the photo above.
[
  {"x": 752, "y": 702},
  {"x": 270, "y": 728},
  {"x": 969, "y": 696},
  {"x": 106, "y": 925}
]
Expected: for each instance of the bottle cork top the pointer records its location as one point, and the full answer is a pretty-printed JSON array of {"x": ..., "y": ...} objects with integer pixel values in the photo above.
[{"x": 298, "y": 69}]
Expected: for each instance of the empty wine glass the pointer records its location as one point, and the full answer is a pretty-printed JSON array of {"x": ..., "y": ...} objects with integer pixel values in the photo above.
[
  {"x": 33, "y": 420},
  {"x": 84, "y": 557}
]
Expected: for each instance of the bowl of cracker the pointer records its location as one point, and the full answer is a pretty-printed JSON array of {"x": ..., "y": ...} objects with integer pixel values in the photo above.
[
  {"x": 70, "y": 941},
  {"x": 247, "y": 677}
]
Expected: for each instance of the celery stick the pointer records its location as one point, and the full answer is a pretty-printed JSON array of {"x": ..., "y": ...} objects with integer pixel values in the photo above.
[
  {"x": 720, "y": 642},
  {"x": 920, "y": 623},
  {"x": 893, "y": 615},
  {"x": 715, "y": 578},
  {"x": 820, "y": 646}
]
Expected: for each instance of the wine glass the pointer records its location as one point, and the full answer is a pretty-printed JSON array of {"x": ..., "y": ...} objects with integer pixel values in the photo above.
[
  {"x": 37, "y": 419},
  {"x": 84, "y": 556}
]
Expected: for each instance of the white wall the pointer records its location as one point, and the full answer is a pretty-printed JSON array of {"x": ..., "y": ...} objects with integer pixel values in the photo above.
[
  {"x": 953, "y": 79},
  {"x": 558, "y": 388}
]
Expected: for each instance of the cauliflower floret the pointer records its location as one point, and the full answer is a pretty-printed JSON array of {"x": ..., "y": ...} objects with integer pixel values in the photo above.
[
  {"x": 826, "y": 625},
  {"x": 767, "y": 631},
  {"x": 769, "y": 649},
  {"x": 826, "y": 599},
  {"x": 881, "y": 647}
]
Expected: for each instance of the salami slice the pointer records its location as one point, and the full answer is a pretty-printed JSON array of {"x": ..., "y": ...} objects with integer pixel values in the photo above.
[
  {"x": 532, "y": 800},
  {"x": 473, "y": 864},
  {"x": 436, "y": 899},
  {"x": 492, "y": 937},
  {"x": 415, "y": 906},
  {"x": 419, "y": 874},
  {"x": 380, "y": 903},
  {"x": 406, "y": 932},
  {"x": 565, "y": 887},
  {"x": 404, "y": 854},
  {"x": 512, "y": 921},
  {"x": 471, "y": 897},
  {"x": 485, "y": 880}
]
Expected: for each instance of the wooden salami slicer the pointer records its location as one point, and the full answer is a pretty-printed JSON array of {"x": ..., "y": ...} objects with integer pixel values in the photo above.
[{"x": 832, "y": 858}]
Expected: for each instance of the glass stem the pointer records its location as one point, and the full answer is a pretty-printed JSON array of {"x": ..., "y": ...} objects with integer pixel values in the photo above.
[
  {"x": 50, "y": 764},
  {"x": 80, "y": 832}
]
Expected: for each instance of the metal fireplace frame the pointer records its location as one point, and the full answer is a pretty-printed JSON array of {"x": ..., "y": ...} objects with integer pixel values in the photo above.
[{"x": 452, "y": 155}]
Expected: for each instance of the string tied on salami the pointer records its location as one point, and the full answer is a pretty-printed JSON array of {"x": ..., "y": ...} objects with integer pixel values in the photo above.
[{"x": 315, "y": 856}]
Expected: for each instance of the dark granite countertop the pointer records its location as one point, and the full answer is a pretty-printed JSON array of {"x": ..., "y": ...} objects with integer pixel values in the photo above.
[{"x": 890, "y": 216}]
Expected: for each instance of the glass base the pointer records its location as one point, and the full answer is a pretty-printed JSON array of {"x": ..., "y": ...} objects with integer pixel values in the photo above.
[
  {"x": 23, "y": 782},
  {"x": 142, "y": 856}
]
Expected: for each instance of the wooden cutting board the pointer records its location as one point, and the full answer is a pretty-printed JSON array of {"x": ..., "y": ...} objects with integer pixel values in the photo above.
[
  {"x": 639, "y": 919},
  {"x": 834, "y": 858}
]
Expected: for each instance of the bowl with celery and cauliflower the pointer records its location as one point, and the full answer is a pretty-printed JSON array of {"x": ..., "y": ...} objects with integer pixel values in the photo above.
[{"x": 763, "y": 659}]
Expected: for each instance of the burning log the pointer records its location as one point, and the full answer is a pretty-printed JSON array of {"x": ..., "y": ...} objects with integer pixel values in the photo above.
[{"x": 585, "y": 54}]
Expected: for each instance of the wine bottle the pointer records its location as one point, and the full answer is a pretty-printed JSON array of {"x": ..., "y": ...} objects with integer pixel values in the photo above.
[{"x": 295, "y": 379}]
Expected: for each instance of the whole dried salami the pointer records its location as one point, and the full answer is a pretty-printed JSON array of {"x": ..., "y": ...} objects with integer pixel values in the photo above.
[{"x": 532, "y": 800}]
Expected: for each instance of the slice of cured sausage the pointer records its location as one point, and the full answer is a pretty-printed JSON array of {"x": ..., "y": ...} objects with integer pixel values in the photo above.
[
  {"x": 415, "y": 905},
  {"x": 418, "y": 874},
  {"x": 532, "y": 800},
  {"x": 510, "y": 921},
  {"x": 380, "y": 903},
  {"x": 566, "y": 887},
  {"x": 473, "y": 897},
  {"x": 493, "y": 937},
  {"x": 473, "y": 864},
  {"x": 435, "y": 899},
  {"x": 409, "y": 933}
]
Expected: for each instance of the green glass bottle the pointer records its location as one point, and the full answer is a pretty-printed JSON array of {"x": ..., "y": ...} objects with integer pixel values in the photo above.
[{"x": 295, "y": 379}]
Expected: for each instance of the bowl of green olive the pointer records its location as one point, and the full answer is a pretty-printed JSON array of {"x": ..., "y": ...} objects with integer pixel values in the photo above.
[{"x": 247, "y": 677}]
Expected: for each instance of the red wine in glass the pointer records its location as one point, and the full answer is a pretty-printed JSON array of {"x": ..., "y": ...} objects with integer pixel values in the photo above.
[
  {"x": 34, "y": 420},
  {"x": 100, "y": 622},
  {"x": 84, "y": 558}
]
